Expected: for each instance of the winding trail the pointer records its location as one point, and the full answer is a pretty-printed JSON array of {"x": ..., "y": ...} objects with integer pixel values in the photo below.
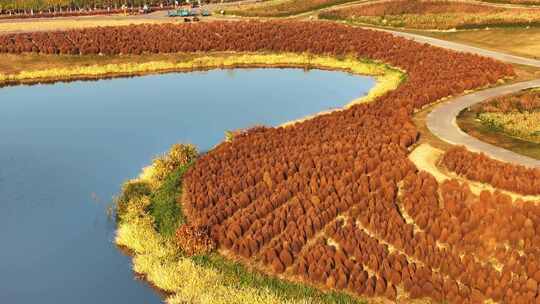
[{"x": 442, "y": 120}]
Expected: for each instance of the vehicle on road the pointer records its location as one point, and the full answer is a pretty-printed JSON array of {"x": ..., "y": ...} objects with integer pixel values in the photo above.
[{"x": 183, "y": 12}]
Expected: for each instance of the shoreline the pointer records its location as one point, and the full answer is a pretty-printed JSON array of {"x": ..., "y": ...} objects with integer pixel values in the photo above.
[
  {"x": 197, "y": 62},
  {"x": 386, "y": 79}
]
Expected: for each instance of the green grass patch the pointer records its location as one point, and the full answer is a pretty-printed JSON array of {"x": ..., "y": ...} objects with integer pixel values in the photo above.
[{"x": 166, "y": 211}]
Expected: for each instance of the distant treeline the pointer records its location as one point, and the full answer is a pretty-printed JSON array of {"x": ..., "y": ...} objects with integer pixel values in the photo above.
[{"x": 35, "y": 6}]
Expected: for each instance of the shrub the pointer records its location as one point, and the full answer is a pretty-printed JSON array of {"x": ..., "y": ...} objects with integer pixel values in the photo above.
[
  {"x": 130, "y": 191},
  {"x": 479, "y": 167},
  {"x": 179, "y": 155},
  {"x": 194, "y": 240}
]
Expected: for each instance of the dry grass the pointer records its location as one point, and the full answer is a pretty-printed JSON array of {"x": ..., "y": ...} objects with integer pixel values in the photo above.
[
  {"x": 15, "y": 26},
  {"x": 282, "y": 8},
  {"x": 33, "y": 68},
  {"x": 516, "y": 41},
  {"x": 524, "y": 125},
  {"x": 14, "y": 64}
]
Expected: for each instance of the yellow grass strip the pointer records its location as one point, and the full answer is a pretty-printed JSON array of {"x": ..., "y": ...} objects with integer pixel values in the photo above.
[{"x": 349, "y": 64}]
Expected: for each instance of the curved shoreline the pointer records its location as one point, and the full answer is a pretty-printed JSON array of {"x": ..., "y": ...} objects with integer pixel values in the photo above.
[
  {"x": 163, "y": 277},
  {"x": 441, "y": 121},
  {"x": 221, "y": 60}
]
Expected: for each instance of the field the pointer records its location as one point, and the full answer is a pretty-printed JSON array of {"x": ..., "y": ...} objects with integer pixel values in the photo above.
[
  {"x": 329, "y": 208},
  {"x": 517, "y": 41},
  {"x": 332, "y": 202},
  {"x": 440, "y": 15},
  {"x": 295, "y": 254},
  {"x": 282, "y": 8},
  {"x": 206, "y": 277}
]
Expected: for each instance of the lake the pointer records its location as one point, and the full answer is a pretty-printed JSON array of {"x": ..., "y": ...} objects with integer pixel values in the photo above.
[{"x": 66, "y": 148}]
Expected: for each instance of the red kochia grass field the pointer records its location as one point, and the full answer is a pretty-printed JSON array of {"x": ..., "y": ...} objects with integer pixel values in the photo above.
[
  {"x": 334, "y": 201},
  {"x": 479, "y": 167}
]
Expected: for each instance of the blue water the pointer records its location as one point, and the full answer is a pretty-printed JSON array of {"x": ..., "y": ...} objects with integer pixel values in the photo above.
[{"x": 66, "y": 148}]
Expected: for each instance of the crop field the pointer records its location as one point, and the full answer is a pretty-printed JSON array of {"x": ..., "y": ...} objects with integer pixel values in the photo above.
[
  {"x": 441, "y": 15},
  {"x": 282, "y": 8},
  {"x": 327, "y": 209}
]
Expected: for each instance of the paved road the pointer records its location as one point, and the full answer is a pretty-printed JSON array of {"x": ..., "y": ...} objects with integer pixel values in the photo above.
[
  {"x": 467, "y": 48},
  {"x": 442, "y": 120}
]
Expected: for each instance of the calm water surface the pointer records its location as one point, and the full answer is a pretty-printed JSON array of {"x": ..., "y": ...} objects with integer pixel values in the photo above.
[{"x": 66, "y": 148}]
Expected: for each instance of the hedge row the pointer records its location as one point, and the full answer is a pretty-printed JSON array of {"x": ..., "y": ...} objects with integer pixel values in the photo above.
[
  {"x": 474, "y": 234},
  {"x": 479, "y": 167}
]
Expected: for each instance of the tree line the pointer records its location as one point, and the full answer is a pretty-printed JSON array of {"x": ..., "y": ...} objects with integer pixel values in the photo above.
[
  {"x": 58, "y": 6},
  {"x": 34, "y": 6}
]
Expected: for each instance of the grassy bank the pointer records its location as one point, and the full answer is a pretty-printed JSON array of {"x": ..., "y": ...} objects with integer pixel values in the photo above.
[
  {"x": 29, "y": 70},
  {"x": 207, "y": 278}
]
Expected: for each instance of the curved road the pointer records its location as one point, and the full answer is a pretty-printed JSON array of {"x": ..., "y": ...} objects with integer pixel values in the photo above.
[{"x": 442, "y": 120}]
